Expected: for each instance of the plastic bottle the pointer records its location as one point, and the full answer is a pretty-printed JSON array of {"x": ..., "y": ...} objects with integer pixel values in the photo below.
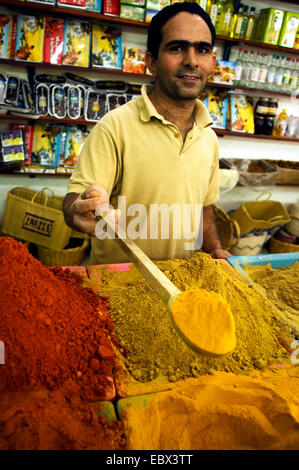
[
  {"x": 280, "y": 125},
  {"x": 294, "y": 76},
  {"x": 237, "y": 8},
  {"x": 250, "y": 24},
  {"x": 228, "y": 14},
  {"x": 248, "y": 69},
  {"x": 239, "y": 21},
  {"x": 203, "y": 4},
  {"x": 244, "y": 21},
  {"x": 255, "y": 72},
  {"x": 264, "y": 66},
  {"x": 240, "y": 66},
  {"x": 213, "y": 11},
  {"x": 278, "y": 75},
  {"x": 271, "y": 73},
  {"x": 286, "y": 77}
]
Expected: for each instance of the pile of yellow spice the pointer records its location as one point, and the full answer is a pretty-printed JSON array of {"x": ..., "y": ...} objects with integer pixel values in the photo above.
[{"x": 151, "y": 346}]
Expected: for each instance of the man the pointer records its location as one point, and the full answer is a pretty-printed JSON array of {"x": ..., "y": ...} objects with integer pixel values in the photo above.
[{"x": 157, "y": 150}]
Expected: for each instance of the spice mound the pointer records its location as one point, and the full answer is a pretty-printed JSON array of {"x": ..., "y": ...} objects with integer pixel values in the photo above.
[
  {"x": 206, "y": 321},
  {"x": 218, "y": 412},
  {"x": 44, "y": 420},
  {"x": 54, "y": 330},
  {"x": 145, "y": 330}
]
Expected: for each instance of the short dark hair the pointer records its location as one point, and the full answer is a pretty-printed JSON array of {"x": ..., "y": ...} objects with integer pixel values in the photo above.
[{"x": 154, "y": 37}]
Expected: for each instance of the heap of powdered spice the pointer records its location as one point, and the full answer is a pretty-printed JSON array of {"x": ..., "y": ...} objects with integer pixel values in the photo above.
[{"x": 56, "y": 333}]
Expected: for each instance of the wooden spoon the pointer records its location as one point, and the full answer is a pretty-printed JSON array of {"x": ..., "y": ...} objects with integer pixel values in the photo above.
[{"x": 217, "y": 315}]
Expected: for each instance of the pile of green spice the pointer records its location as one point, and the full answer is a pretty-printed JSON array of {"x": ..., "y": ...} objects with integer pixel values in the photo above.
[{"x": 152, "y": 346}]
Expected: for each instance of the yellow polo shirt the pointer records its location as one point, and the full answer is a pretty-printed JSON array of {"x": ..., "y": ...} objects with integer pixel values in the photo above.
[{"x": 135, "y": 153}]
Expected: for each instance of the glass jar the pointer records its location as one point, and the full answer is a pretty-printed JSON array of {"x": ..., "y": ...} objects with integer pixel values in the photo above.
[
  {"x": 272, "y": 106},
  {"x": 259, "y": 124},
  {"x": 268, "y": 125}
]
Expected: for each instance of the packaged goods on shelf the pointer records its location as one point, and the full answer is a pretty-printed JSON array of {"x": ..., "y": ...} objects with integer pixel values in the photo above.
[
  {"x": 76, "y": 43},
  {"x": 30, "y": 38},
  {"x": 269, "y": 25},
  {"x": 95, "y": 5},
  {"x": 74, "y": 141},
  {"x": 72, "y": 3},
  {"x": 137, "y": 3},
  {"x": 12, "y": 90},
  {"x": 45, "y": 148},
  {"x": 289, "y": 29},
  {"x": 241, "y": 113},
  {"x": 3, "y": 84},
  {"x": 132, "y": 12},
  {"x": 95, "y": 105},
  {"x": 13, "y": 154},
  {"x": 217, "y": 105},
  {"x": 256, "y": 172},
  {"x": 5, "y": 27},
  {"x": 111, "y": 7},
  {"x": 106, "y": 46},
  {"x": 42, "y": 99},
  {"x": 12, "y": 146},
  {"x": 149, "y": 14},
  {"x": 53, "y": 41},
  {"x": 224, "y": 72},
  {"x": 115, "y": 100},
  {"x": 27, "y": 131},
  {"x": 58, "y": 101},
  {"x": 157, "y": 4},
  {"x": 49, "y": 2},
  {"x": 133, "y": 60}
]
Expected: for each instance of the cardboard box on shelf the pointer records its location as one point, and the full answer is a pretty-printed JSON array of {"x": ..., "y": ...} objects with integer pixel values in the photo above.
[
  {"x": 241, "y": 113},
  {"x": 5, "y": 26},
  {"x": 111, "y": 7},
  {"x": 106, "y": 46},
  {"x": 30, "y": 38},
  {"x": 95, "y": 5},
  {"x": 53, "y": 41},
  {"x": 131, "y": 12},
  {"x": 76, "y": 43}
]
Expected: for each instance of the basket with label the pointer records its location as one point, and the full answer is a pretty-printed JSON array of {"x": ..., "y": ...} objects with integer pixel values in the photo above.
[{"x": 35, "y": 217}]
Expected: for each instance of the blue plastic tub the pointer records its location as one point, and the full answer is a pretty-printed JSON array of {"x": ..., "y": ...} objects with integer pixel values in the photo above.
[{"x": 279, "y": 260}]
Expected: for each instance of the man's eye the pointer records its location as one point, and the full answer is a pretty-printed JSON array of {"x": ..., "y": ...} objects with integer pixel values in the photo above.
[
  {"x": 176, "y": 48},
  {"x": 203, "y": 50}
]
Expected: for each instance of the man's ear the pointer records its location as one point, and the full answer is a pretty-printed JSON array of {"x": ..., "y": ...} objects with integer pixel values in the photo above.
[{"x": 150, "y": 63}]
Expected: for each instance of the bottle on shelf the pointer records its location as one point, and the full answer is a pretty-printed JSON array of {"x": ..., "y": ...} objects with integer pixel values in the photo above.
[
  {"x": 250, "y": 24},
  {"x": 294, "y": 75},
  {"x": 264, "y": 66},
  {"x": 240, "y": 66},
  {"x": 226, "y": 18},
  {"x": 248, "y": 66},
  {"x": 213, "y": 11},
  {"x": 237, "y": 8},
  {"x": 280, "y": 125},
  {"x": 260, "y": 113},
  {"x": 203, "y": 4},
  {"x": 244, "y": 22},
  {"x": 255, "y": 71},
  {"x": 271, "y": 73},
  {"x": 286, "y": 77},
  {"x": 238, "y": 22},
  {"x": 278, "y": 74}
]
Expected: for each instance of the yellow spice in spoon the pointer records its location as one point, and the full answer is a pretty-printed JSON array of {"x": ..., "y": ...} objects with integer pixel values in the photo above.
[{"x": 206, "y": 320}]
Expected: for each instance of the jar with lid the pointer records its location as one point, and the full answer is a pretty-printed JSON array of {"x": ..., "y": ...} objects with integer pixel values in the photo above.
[
  {"x": 260, "y": 114},
  {"x": 268, "y": 125},
  {"x": 272, "y": 106}
]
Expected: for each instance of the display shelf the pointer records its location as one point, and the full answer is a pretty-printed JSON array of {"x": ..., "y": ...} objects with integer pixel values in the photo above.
[
  {"x": 88, "y": 14},
  {"x": 224, "y": 132}
]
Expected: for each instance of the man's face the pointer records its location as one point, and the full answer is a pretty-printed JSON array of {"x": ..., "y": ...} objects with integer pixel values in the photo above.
[{"x": 185, "y": 57}]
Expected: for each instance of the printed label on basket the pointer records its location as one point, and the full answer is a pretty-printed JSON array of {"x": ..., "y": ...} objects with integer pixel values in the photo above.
[{"x": 37, "y": 224}]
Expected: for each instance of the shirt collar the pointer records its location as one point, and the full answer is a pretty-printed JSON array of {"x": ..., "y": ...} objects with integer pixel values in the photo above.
[{"x": 147, "y": 110}]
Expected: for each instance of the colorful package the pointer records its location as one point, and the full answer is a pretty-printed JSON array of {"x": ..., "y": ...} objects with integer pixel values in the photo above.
[
  {"x": 3, "y": 85},
  {"x": 27, "y": 131},
  {"x": 224, "y": 72},
  {"x": 149, "y": 13},
  {"x": 157, "y": 4},
  {"x": 76, "y": 43},
  {"x": 106, "y": 46},
  {"x": 48, "y": 2},
  {"x": 95, "y": 105},
  {"x": 72, "y": 3},
  {"x": 13, "y": 154},
  {"x": 111, "y": 7},
  {"x": 45, "y": 148},
  {"x": 12, "y": 90},
  {"x": 217, "y": 105},
  {"x": 132, "y": 12},
  {"x": 289, "y": 29},
  {"x": 53, "y": 41},
  {"x": 95, "y": 5},
  {"x": 137, "y": 3},
  {"x": 30, "y": 38},
  {"x": 12, "y": 40},
  {"x": 11, "y": 138},
  {"x": 75, "y": 137},
  {"x": 241, "y": 113},
  {"x": 5, "y": 25},
  {"x": 133, "y": 61}
]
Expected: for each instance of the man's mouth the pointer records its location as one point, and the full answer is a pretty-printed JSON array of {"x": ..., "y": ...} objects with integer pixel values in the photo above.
[{"x": 189, "y": 78}]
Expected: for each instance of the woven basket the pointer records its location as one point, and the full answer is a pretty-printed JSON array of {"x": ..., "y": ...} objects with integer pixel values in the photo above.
[
  {"x": 228, "y": 229},
  {"x": 66, "y": 257},
  {"x": 34, "y": 217},
  {"x": 277, "y": 246}
]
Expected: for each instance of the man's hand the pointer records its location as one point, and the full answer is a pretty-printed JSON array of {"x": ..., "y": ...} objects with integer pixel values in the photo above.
[
  {"x": 220, "y": 253},
  {"x": 79, "y": 209}
]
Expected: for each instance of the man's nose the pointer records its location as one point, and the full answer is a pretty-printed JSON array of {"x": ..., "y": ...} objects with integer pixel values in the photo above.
[{"x": 190, "y": 57}]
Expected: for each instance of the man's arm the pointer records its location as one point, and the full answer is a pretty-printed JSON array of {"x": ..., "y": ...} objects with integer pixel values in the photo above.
[{"x": 211, "y": 241}]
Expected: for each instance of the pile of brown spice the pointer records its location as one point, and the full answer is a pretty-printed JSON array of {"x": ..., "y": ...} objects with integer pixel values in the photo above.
[{"x": 143, "y": 326}]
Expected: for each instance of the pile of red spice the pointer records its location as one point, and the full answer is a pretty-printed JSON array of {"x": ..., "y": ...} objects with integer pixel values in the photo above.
[{"x": 57, "y": 337}]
